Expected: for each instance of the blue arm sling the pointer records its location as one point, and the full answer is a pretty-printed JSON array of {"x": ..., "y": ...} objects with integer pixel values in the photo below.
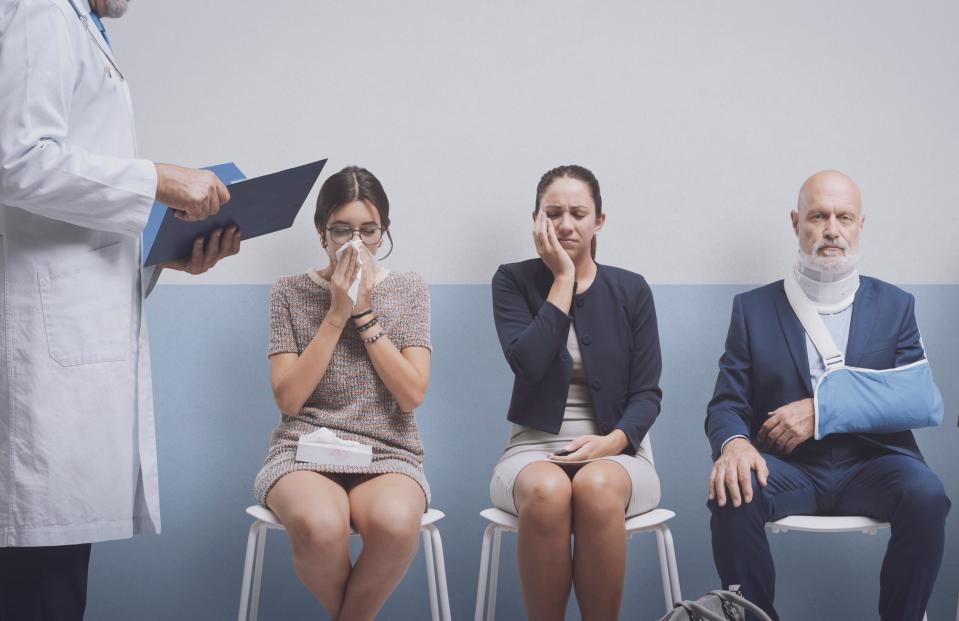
[{"x": 856, "y": 400}]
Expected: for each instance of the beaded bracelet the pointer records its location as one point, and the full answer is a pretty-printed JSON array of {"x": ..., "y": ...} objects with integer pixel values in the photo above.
[
  {"x": 369, "y": 324},
  {"x": 375, "y": 337}
]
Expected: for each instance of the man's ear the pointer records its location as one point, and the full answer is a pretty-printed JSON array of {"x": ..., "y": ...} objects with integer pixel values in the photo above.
[{"x": 794, "y": 217}]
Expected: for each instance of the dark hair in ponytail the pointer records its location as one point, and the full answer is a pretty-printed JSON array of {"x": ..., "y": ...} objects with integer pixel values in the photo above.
[
  {"x": 572, "y": 171},
  {"x": 353, "y": 183}
]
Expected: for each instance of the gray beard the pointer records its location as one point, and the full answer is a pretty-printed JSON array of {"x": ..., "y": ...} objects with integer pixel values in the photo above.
[{"x": 116, "y": 8}]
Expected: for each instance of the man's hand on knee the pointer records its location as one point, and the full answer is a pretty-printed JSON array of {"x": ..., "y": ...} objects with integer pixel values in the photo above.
[{"x": 732, "y": 473}]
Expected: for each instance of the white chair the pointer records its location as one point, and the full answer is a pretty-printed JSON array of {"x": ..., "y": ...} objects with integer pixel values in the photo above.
[
  {"x": 651, "y": 522},
  {"x": 501, "y": 521},
  {"x": 264, "y": 520},
  {"x": 829, "y": 524}
]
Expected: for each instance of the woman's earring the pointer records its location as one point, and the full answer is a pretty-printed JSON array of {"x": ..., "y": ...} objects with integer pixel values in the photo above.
[{"x": 380, "y": 245}]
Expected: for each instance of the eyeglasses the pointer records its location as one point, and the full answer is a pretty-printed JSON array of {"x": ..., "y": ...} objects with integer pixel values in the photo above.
[{"x": 370, "y": 234}]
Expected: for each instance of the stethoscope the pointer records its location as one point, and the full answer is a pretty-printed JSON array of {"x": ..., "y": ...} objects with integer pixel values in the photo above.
[{"x": 85, "y": 21}]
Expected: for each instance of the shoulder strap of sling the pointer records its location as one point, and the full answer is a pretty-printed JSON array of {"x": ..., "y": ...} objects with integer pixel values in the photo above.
[{"x": 813, "y": 324}]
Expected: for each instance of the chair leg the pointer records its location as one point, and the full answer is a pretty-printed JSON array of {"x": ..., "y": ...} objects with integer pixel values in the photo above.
[
  {"x": 482, "y": 582},
  {"x": 664, "y": 569},
  {"x": 673, "y": 566},
  {"x": 258, "y": 573},
  {"x": 430, "y": 572},
  {"x": 251, "y": 541},
  {"x": 494, "y": 574},
  {"x": 440, "y": 564}
]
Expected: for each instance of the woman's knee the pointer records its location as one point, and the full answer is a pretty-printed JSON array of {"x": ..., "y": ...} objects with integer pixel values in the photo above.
[
  {"x": 543, "y": 493},
  {"x": 394, "y": 524},
  {"x": 600, "y": 493},
  {"x": 317, "y": 532}
]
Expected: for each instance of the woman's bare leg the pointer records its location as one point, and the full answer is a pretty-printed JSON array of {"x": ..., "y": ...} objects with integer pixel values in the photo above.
[
  {"x": 315, "y": 511},
  {"x": 543, "y": 494},
  {"x": 386, "y": 511},
  {"x": 601, "y": 490}
]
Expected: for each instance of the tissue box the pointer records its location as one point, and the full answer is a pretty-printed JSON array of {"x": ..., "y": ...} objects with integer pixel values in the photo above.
[{"x": 334, "y": 454}]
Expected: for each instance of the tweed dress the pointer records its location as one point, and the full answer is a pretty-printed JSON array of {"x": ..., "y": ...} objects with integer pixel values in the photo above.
[{"x": 351, "y": 399}]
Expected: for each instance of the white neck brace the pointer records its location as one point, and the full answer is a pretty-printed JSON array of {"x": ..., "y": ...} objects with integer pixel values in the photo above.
[{"x": 830, "y": 292}]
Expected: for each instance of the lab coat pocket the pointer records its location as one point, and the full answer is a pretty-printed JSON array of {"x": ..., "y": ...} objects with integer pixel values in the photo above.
[{"x": 87, "y": 305}]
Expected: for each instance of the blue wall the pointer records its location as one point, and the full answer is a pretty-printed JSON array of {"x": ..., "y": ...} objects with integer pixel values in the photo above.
[{"x": 215, "y": 413}]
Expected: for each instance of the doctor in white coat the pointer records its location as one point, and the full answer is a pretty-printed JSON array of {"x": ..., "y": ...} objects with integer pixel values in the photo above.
[{"x": 77, "y": 446}]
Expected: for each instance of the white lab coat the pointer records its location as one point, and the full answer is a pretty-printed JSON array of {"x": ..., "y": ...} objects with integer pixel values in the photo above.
[{"x": 77, "y": 444}]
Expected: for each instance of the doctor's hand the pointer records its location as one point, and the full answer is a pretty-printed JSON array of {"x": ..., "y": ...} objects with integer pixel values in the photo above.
[
  {"x": 192, "y": 194},
  {"x": 788, "y": 427},
  {"x": 732, "y": 473},
  {"x": 205, "y": 256},
  {"x": 549, "y": 248},
  {"x": 593, "y": 447}
]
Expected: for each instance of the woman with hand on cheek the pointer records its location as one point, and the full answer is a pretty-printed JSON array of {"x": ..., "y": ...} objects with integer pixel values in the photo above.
[
  {"x": 359, "y": 369},
  {"x": 582, "y": 341}
]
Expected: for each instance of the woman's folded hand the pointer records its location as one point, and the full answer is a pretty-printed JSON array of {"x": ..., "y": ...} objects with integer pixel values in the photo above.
[{"x": 589, "y": 447}]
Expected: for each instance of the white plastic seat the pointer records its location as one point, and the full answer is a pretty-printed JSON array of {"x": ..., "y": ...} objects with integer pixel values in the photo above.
[
  {"x": 501, "y": 521},
  {"x": 650, "y": 522},
  {"x": 829, "y": 524},
  {"x": 264, "y": 520}
]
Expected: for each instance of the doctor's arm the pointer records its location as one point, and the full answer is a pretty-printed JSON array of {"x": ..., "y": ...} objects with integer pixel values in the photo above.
[{"x": 41, "y": 171}]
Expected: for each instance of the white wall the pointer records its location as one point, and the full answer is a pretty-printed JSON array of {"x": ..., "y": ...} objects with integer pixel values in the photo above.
[{"x": 701, "y": 120}]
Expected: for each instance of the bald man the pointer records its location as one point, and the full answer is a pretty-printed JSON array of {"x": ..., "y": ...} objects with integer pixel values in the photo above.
[{"x": 761, "y": 421}]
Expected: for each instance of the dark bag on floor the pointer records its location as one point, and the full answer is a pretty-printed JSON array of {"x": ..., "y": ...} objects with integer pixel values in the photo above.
[{"x": 715, "y": 606}]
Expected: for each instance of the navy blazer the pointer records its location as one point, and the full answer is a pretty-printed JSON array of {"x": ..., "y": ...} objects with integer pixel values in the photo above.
[
  {"x": 616, "y": 324},
  {"x": 765, "y": 364}
]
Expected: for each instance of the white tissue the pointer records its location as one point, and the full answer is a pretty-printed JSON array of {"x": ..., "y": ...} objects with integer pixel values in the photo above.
[
  {"x": 324, "y": 435},
  {"x": 324, "y": 447},
  {"x": 357, "y": 247}
]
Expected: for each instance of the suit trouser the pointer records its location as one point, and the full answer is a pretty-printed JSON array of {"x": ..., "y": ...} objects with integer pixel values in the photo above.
[
  {"x": 840, "y": 479},
  {"x": 44, "y": 583}
]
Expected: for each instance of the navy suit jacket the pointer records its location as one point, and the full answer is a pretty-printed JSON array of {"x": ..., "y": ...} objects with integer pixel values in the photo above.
[
  {"x": 619, "y": 342},
  {"x": 765, "y": 364}
]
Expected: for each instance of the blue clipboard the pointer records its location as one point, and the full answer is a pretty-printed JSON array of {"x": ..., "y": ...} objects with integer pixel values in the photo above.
[{"x": 257, "y": 206}]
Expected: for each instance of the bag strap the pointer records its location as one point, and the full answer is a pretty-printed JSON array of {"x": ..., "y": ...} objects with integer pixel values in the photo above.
[
  {"x": 813, "y": 324},
  {"x": 739, "y": 600},
  {"x": 697, "y": 611}
]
